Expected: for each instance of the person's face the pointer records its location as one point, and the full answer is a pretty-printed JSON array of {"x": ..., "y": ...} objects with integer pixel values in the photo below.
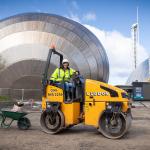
[{"x": 65, "y": 65}]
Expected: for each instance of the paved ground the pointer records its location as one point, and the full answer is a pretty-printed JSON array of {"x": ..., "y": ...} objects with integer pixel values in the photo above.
[{"x": 79, "y": 137}]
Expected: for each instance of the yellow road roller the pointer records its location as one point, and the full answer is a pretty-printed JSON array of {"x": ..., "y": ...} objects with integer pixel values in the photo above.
[{"x": 93, "y": 103}]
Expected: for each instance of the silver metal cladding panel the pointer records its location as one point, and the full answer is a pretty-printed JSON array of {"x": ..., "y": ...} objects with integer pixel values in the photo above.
[
  {"x": 141, "y": 73},
  {"x": 28, "y": 36}
]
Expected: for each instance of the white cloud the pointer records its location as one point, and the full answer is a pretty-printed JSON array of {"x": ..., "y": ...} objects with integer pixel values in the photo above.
[
  {"x": 119, "y": 52},
  {"x": 90, "y": 16},
  {"x": 73, "y": 16}
]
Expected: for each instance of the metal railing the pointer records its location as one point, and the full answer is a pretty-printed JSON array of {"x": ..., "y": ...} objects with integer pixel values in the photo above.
[{"x": 20, "y": 94}]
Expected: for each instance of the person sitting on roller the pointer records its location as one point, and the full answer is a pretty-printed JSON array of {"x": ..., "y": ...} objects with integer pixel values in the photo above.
[{"x": 63, "y": 75}]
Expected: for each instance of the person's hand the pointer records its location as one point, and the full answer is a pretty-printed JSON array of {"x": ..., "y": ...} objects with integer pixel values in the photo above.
[
  {"x": 76, "y": 75},
  {"x": 77, "y": 72}
]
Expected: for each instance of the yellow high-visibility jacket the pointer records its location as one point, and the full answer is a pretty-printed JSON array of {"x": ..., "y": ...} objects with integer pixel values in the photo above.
[{"x": 60, "y": 75}]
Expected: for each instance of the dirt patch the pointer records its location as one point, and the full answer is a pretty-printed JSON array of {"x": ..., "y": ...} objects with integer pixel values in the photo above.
[{"x": 78, "y": 137}]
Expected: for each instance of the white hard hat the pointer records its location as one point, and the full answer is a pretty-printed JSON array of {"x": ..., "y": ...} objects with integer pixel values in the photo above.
[{"x": 65, "y": 61}]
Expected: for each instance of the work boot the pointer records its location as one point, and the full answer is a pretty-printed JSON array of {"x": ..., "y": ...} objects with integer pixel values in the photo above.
[{"x": 67, "y": 97}]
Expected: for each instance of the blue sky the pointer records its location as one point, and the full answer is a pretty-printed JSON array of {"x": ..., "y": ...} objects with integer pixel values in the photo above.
[{"x": 107, "y": 15}]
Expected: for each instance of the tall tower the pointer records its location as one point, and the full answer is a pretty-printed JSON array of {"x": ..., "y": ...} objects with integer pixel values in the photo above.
[{"x": 135, "y": 38}]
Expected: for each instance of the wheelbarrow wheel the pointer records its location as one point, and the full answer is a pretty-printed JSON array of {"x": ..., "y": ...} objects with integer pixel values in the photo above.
[{"x": 24, "y": 123}]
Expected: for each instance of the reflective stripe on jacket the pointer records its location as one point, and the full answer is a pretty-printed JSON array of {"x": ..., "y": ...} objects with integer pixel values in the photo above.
[{"x": 60, "y": 75}]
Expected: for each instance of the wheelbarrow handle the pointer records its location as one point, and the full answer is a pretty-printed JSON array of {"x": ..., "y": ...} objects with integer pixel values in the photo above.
[{"x": 2, "y": 121}]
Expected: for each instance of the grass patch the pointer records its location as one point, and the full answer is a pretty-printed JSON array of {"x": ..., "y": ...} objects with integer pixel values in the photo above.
[{"x": 4, "y": 98}]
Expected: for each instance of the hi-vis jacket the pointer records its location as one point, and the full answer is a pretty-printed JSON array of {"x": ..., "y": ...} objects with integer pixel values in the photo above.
[{"x": 61, "y": 75}]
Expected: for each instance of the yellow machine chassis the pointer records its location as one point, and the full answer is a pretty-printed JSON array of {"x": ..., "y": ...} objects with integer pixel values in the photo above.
[{"x": 95, "y": 103}]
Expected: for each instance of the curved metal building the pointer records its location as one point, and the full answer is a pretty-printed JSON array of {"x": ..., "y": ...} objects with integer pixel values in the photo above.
[
  {"x": 141, "y": 74},
  {"x": 24, "y": 44}
]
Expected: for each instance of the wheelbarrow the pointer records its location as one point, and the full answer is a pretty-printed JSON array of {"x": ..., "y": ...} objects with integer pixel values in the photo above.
[{"x": 23, "y": 122}]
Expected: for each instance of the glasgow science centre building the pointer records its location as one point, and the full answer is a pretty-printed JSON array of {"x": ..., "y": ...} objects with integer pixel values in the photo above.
[{"x": 24, "y": 45}]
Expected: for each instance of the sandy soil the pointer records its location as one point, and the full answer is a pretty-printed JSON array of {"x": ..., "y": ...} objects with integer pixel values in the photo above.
[{"x": 79, "y": 137}]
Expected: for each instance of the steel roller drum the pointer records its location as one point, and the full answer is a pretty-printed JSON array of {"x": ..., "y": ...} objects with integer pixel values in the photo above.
[{"x": 24, "y": 44}]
